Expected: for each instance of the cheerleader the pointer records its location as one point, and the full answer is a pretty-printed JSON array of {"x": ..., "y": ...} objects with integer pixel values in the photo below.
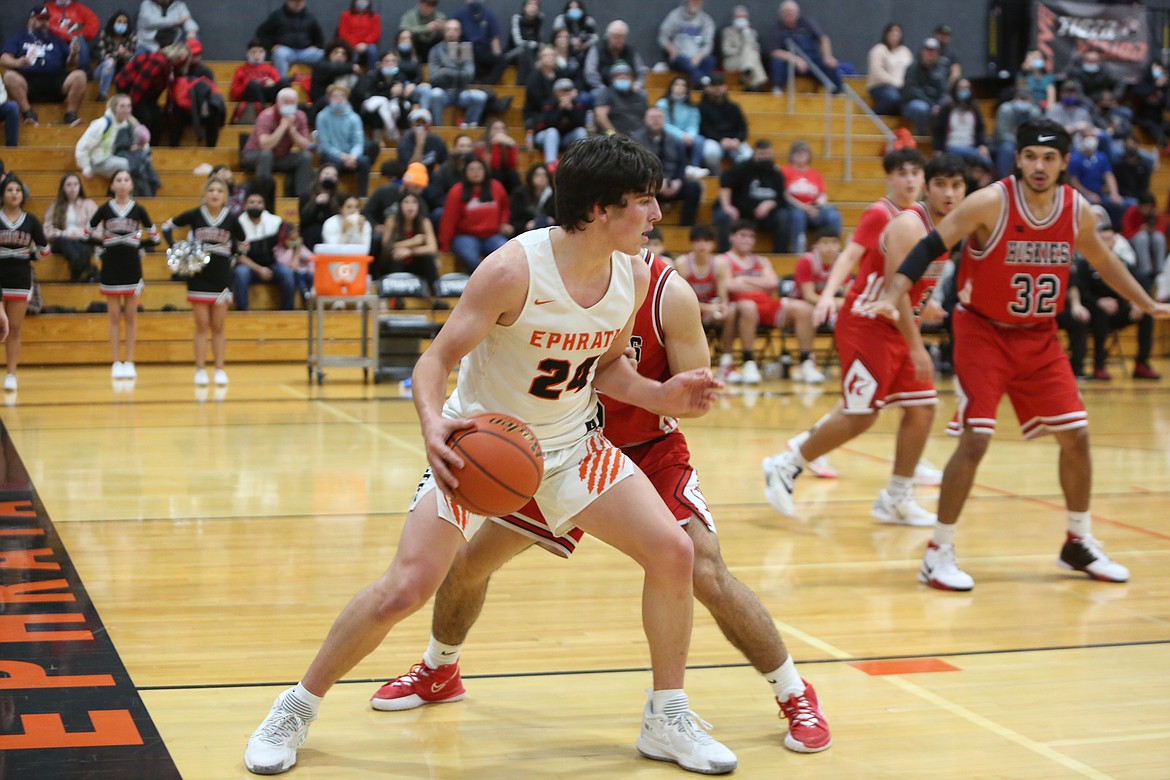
[
  {"x": 22, "y": 239},
  {"x": 210, "y": 290},
  {"x": 122, "y": 228}
]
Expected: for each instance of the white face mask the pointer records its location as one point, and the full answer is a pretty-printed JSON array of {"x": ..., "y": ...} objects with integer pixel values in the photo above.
[
  {"x": 741, "y": 22},
  {"x": 1089, "y": 144}
]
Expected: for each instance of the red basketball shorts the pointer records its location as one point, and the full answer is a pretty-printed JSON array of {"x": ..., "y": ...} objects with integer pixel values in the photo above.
[
  {"x": 767, "y": 305},
  {"x": 1026, "y": 364},
  {"x": 876, "y": 370}
]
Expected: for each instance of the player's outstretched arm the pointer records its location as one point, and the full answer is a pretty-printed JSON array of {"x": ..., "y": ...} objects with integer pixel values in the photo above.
[
  {"x": 1113, "y": 270},
  {"x": 494, "y": 294}
]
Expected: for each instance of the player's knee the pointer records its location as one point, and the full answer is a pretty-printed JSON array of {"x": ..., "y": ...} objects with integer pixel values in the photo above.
[
  {"x": 400, "y": 598},
  {"x": 674, "y": 554},
  {"x": 710, "y": 574},
  {"x": 1075, "y": 441},
  {"x": 973, "y": 446}
]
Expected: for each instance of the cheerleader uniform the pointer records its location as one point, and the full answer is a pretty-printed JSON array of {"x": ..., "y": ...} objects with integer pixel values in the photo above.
[
  {"x": 221, "y": 237},
  {"x": 19, "y": 241},
  {"x": 125, "y": 231}
]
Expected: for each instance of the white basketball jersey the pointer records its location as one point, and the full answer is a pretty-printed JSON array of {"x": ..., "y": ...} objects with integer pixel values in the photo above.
[{"x": 540, "y": 368}]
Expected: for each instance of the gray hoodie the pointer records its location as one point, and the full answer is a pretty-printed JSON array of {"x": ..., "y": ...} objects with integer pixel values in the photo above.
[{"x": 691, "y": 34}]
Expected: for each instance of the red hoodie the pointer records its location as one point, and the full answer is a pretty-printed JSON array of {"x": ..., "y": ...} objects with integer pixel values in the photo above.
[
  {"x": 474, "y": 217},
  {"x": 62, "y": 19},
  {"x": 355, "y": 28},
  {"x": 249, "y": 72}
]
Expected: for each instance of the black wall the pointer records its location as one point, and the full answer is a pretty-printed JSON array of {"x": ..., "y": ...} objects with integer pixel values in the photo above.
[{"x": 853, "y": 25}]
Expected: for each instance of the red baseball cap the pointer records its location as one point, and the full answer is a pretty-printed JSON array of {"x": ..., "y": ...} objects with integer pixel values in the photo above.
[{"x": 195, "y": 47}]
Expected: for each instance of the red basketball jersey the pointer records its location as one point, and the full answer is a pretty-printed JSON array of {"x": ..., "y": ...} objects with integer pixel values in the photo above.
[
  {"x": 1021, "y": 275},
  {"x": 626, "y": 425},
  {"x": 871, "y": 275},
  {"x": 704, "y": 286}
]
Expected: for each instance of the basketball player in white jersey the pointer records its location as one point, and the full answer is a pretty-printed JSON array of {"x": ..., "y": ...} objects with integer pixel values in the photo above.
[{"x": 543, "y": 321}]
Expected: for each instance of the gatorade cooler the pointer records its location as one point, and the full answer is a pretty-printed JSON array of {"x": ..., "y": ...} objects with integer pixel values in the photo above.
[{"x": 340, "y": 270}]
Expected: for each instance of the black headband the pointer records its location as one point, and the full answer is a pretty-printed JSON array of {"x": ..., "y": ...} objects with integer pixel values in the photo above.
[{"x": 1045, "y": 135}]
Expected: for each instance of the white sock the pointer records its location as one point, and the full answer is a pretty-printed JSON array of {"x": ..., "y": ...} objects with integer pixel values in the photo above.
[
  {"x": 785, "y": 680},
  {"x": 670, "y": 701},
  {"x": 798, "y": 456},
  {"x": 944, "y": 534},
  {"x": 299, "y": 700},
  {"x": 439, "y": 654},
  {"x": 725, "y": 359},
  {"x": 900, "y": 488},
  {"x": 1080, "y": 523}
]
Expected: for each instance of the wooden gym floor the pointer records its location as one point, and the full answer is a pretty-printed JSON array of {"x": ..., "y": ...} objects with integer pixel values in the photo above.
[{"x": 218, "y": 537}]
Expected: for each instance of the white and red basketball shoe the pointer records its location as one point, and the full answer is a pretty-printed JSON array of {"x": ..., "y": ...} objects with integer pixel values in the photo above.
[
  {"x": 940, "y": 570},
  {"x": 421, "y": 685},
  {"x": 808, "y": 731}
]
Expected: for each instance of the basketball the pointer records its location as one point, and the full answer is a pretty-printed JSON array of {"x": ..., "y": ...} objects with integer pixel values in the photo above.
[{"x": 502, "y": 465}]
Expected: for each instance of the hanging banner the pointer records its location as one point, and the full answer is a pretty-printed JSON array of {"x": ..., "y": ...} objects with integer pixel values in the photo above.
[{"x": 1066, "y": 30}]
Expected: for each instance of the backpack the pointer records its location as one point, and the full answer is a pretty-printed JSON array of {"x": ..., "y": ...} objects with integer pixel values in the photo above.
[{"x": 182, "y": 86}]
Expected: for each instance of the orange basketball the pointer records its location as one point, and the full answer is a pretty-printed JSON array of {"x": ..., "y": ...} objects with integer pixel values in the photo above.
[{"x": 502, "y": 465}]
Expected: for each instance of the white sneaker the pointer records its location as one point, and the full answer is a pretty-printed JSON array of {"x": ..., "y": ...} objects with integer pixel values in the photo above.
[
  {"x": 810, "y": 372},
  {"x": 751, "y": 373},
  {"x": 780, "y": 473},
  {"x": 201, "y": 377},
  {"x": 904, "y": 512},
  {"x": 220, "y": 377},
  {"x": 796, "y": 373},
  {"x": 682, "y": 739},
  {"x": 940, "y": 569},
  {"x": 128, "y": 371},
  {"x": 10, "y": 383},
  {"x": 695, "y": 173},
  {"x": 820, "y": 467},
  {"x": 117, "y": 371},
  {"x": 272, "y": 748},
  {"x": 727, "y": 369},
  {"x": 927, "y": 475}
]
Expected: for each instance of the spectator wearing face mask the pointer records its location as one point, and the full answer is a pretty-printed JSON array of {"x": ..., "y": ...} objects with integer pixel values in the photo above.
[
  {"x": 1090, "y": 172},
  {"x": 258, "y": 264},
  {"x": 361, "y": 28},
  {"x": 1092, "y": 75},
  {"x": 1008, "y": 118},
  {"x": 340, "y": 140},
  {"x": 1038, "y": 79},
  {"x": 256, "y": 81},
  {"x": 958, "y": 128},
  {"x": 115, "y": 47},
  {"x": 620, "y": 108},
  {"x": 1070, "y": 110},
  {"x": 279, "y": 142}
]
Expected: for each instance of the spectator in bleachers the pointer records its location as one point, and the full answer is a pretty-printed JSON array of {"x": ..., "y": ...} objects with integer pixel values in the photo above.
[
  {"x": 722, "y": 125},
  {"x": 336, "y": 67},
  {"x": 561, "y": 121},
  {"x": 755, "y": 190},
  {"x": 620, "y": 108},
  {"x": 476, "y": 217},
  {"x": 1008, "y": 118},
  {"x": 687, "y": 36},
  {"x": 1093, "y": 77},
  {"x": 115, "y": 47},
  {"x": 887, "y": 64},
  {"x": 258, "y": 263},
  {"x": 811, "y": 45},
  {"x": 319, "y": 204},
  {"x": 525, "y": 39},
  {"x": 254, "y": 84},
  {"x": 958, "y": 127},
  {"x": 144, "y": 79},
  {"x": 116, "y": 141},
  {"x": 425, "y": 24},
  {"x": 67, "y": 224},
  {"x": 946, "y": 56},
  {"x": 1038, "y": 79},
  {"x": 1114, "y": 120},
  {"x": 656, "y": 245},
  {"x": 707, "y": 274},
  {"x": 340, "y": 140},
  {"x": 581, "y": 27},
  {"x": 348, "y": 226},
  {"x": 599, "y": 61},
  {"x": 409, "y": 61},
  {"x": 196, "y": 100},
  {"x": 532, "y": 203},
  {"x": 162, "y": 23},
  {"x": 482, "y": 30},
  {"x": 292, "y": 253},
  {"x": 410, "y": 244},
  {"x": 1145, "y": 230},
  {"x": 385, "y": 98},
  {"x": 21, "y": 246},
  {"x": 538, "y": 89},
  {"x": 498, "y": 149},
  {"x": 805, "y": 187},
  {"x": 1132, "y": 169},
  {"x": 447, "y": 176},
  {"x": 420, "y": 145},
  {"x": 682, "y": 124},
  {"x": 567, "y": 64},
  {"x": 1070, "y": 110},
  {"x": 40, "y": 67},
  {"x": 739, "y": 43},
  {"x": 237, "y": 195},
  {"x": 812, "y": 271},
  {"x": 1090, "y": 172},
  {"x": 1151, "y": 97},
  {"x": 10, "y": 116},
  {"x": 280, "y": 142},
  {"x": 382, "y": 202},
  {"x": 293, "y": 35},
  {"x": 361, "y": 28},
  {"x": 69, "y": 19},
  {"x": 925, "y": 87},
  {"x": 451, "y": 69},
  {"x": 1111, "y": 311},
  {"x": 675, "y": 185}
]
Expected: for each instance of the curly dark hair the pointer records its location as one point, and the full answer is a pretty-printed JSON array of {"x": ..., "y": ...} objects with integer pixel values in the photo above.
[{"x": 601, "y": 171}]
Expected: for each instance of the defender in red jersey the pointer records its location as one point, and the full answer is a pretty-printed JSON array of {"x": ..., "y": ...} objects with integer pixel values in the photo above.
[
  {"x": 667, "y": 338},
  {"x": 882, "y": 365},
  {"x": 1021, "y": 234}
]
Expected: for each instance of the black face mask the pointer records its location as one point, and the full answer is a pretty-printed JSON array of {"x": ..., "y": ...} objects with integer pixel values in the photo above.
[
  {"x": 255, "y": 213},
  {"x": 329, "y": 184}
]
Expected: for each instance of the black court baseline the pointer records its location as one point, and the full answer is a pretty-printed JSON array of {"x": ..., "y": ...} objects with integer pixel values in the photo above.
[{"x": 68, "y": 708}]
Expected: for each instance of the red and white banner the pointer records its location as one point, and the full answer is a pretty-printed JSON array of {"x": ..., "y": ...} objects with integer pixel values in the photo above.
[{"x": 1066, "y": 30}]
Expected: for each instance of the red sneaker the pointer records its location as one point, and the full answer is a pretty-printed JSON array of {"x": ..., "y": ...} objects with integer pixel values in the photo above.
[
  {"x": 808, "y": 731},
  {"x": 1101, "y": 375},
  {"x": 1143, "y": 371},
  {"x": 420, "y": 686}
]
